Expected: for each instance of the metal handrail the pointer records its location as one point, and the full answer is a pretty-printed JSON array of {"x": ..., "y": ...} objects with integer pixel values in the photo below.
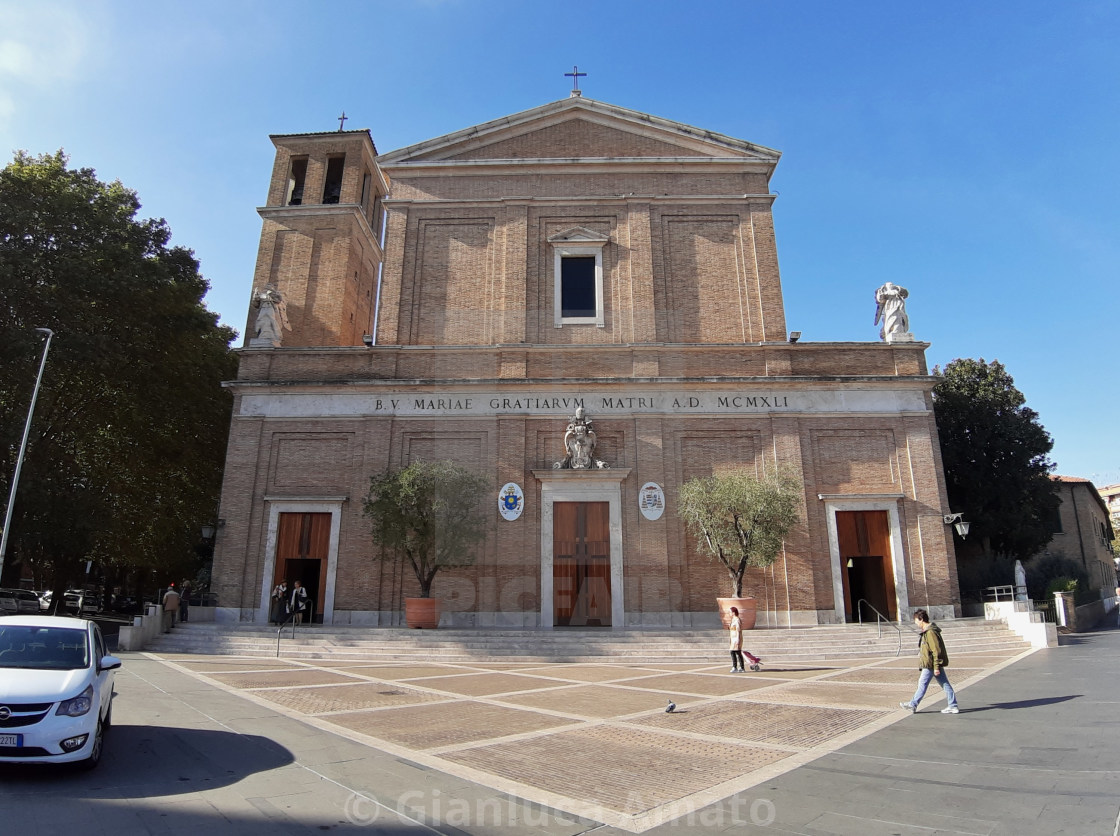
[
  {"x": 880, "y": 618},
  {"x": 309, "y": 612}
]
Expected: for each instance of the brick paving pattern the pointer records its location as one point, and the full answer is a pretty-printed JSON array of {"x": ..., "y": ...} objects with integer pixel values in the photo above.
[
  {"x": 279, "y": 679},
  {"x": 637, "y": 769},
  {"x": 595, "y": 701},
  {"x": 780, "y": 725},
  {"x": 445, "y": 724},
  {"x": 590, "y": 733},
  {"x": 329, "y": 698}
]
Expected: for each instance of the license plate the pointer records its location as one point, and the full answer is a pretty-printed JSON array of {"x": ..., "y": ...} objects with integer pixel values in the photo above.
[{"x": 11, "y": 739}]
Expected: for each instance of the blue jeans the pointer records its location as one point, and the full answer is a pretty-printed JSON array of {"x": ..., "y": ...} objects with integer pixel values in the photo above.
[{"x": 942, "y": 680}]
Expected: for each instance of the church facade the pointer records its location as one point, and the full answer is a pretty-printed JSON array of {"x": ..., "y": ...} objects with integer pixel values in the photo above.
[{"x": 491, "y": 295}]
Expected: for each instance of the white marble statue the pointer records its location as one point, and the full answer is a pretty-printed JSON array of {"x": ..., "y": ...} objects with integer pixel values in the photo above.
[
  {"x": 579, "y": 445},
  {"x": 890, "y": 302},
  {"x": 272, "y": 315}
]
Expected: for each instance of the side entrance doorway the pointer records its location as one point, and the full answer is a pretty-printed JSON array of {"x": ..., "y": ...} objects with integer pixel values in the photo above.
[
  {"x": 581, "y": 564},
  {"x": 865, "y": 559},
  {"x": 302, "y": 548}
]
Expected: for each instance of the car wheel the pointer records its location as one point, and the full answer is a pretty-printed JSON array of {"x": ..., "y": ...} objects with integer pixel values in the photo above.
[{"x": 95, "y": 753}]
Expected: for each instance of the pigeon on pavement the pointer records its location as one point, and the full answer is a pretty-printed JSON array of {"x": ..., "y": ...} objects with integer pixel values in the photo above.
[{"x": 671, "y": 707}]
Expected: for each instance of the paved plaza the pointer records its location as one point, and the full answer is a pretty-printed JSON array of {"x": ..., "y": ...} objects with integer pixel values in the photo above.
[{"x": 247, "y": 745}]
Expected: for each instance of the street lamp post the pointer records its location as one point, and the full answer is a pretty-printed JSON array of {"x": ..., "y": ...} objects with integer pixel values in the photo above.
[{"x": 23, "y": 449}]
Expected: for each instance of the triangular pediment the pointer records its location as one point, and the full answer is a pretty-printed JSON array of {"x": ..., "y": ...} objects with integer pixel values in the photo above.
[
  {"x": 578, "y": 235},
  {"x": 579, "y": 129}
]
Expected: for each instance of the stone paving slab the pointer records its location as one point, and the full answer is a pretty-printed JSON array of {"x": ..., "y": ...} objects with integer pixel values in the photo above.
[
  {"x": 843, "y": 694},
  {"x": 484, "y": 684},
  {"x": 596, "y": 701},
  {"x": 279, "y": 679},
  {"x": 224, "y": 665},
  {"x": 890, "y": 676},
  {"x": 323, "y": 699},
  {"x": 398, "y": 672},
  {"x": 446, "y": 724},
  {"x": 705, "y": 685},
  {"x": 758, "y": 722},
  {"x": 584, "y": 673},
  {"x": 646, "y": 769}
]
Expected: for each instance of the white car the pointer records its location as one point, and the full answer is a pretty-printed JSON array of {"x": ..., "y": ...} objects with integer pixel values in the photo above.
[{"x": 56, "y": 690}]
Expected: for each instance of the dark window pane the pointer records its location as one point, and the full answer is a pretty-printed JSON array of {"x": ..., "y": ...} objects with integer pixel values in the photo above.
[{"x": 577, "y": 286}]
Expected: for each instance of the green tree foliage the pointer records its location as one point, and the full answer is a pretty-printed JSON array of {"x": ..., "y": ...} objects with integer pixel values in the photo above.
[
  {"x": 430, "y": 513},
  {"x": 126, "y": 449},
  {"x": 742, "y": 519},
  {"x": 996, "y": 461}
]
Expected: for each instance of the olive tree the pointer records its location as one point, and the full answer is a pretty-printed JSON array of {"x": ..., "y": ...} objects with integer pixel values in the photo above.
[
  {"x": 430, "y": 513},
  {"x": 741, "y": 519}
]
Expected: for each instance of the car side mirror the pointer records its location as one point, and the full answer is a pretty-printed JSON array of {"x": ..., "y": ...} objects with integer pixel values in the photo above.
[{"x": 109, "y": 663}]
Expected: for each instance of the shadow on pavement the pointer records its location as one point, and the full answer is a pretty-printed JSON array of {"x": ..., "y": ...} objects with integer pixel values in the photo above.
[
  {"x": 146, "y": 761},
  {"x": 1021, "y": 704}
]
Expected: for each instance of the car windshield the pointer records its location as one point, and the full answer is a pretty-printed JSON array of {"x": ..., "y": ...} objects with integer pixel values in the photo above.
[{"x": 43, "y": 648}]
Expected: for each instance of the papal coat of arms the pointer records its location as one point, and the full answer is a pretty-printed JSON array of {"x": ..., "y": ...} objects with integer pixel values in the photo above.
[{"x": 511, "y": 501}]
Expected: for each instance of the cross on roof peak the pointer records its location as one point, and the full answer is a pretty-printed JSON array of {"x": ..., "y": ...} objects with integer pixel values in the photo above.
[
  {"x": 575, "y": 75},
  {"x": 342, "y": 121}
]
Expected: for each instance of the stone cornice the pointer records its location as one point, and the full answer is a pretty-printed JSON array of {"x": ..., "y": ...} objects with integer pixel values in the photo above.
[
  {"x": 282, "y": 214},
  {"x": 583, "y": 200}
]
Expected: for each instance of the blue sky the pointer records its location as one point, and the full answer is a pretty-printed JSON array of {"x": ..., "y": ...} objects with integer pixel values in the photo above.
[{"x": 965, "y": 150}]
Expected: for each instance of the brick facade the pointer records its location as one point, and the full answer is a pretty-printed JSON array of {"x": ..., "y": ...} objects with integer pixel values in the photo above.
[{"x": 690, "y": 372}]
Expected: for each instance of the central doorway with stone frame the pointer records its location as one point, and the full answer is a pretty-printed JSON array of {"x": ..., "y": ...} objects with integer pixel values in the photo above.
[
  {"x": 581, "y": 548},
  {"x": 302, "y": 544},
  {"x": 866, "y": 553}
]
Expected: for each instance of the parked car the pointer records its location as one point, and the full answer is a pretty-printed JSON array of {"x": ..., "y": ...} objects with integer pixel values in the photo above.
[
  {"x": 80, "y": 602},
  {"x": 8, "y": 603},
  {"x": 26, "y": 600},
  {"x": 45, "y": 600},
  {"x": 56, "y": 690}
]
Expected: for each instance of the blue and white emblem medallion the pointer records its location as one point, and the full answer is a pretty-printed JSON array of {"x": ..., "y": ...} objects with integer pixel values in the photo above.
[{"x": 511, "y": 501}]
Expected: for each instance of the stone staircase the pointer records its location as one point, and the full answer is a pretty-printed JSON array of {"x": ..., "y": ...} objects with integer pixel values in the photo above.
[{"x": 397, "y": 644}]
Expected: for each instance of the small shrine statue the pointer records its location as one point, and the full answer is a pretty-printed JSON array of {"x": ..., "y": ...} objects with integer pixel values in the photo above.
[
  {"x": 579, "y": 444},
  {"x": 1020, "y": 582},
  {"x": 890, "y": 307},
  {"x": 272, "y": 316}
]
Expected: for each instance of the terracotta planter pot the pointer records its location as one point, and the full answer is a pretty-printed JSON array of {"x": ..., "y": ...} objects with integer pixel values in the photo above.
[
  {"x": 748, "y": 611},
  {"x": 421, "y": 613}
]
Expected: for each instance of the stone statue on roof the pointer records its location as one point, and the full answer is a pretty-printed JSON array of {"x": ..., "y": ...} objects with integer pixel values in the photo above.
[{"x": 890, "y": 308}]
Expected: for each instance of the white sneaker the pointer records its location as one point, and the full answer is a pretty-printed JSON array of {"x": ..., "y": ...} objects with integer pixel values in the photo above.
[
  {"x": 909, "y": 706},
  {"x": 951, "y": 710}
]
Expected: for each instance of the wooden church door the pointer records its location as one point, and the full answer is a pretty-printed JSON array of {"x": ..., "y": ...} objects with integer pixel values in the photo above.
[{"x": 581, "y": 564}]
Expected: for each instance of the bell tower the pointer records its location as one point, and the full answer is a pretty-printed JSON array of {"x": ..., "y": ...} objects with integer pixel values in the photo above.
[{"x": 321, "y": 238}]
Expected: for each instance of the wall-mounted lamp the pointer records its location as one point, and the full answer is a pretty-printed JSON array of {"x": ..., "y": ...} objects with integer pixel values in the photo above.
[
  {"x": 208, "y": 531},
  {"x": 794, "y": 336},
  {"x": 367, "y": 339},
  {"x": 960, "y": 525}
]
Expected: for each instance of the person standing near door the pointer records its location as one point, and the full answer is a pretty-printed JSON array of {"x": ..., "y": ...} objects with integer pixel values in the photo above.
[
  {"x": 279, "y": 602},
  {"x": 932, "y": 660},
  {"x": 298, "y": 602}
]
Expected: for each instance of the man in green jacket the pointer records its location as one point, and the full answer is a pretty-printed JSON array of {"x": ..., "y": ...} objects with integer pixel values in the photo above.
[{"x": 932, "y": 659}]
